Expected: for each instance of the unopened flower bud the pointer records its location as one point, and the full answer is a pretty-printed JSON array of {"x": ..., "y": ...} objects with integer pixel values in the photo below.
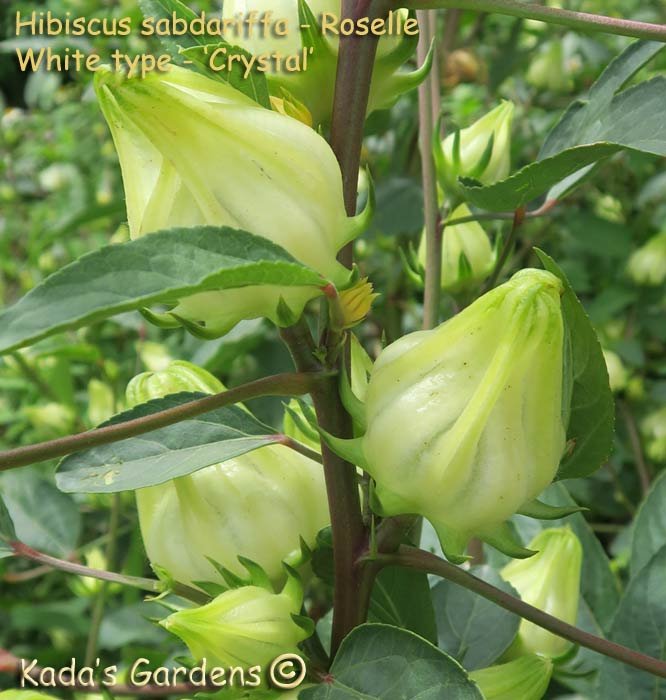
[
  {"x": 526, "y": 678},
  {"x": 314, "y": 82},
  {"x": 550, "y": 581},
  {"x": 647, "y": 265},
  {"x": 258, "y": 505},
  {"x": 285, "y": 185},
  {"x": 481, "y": 151},
  {"x": 464, "y": 421},
  {"x": 247, "y": 626},
  {"x": 467, "y": 256},
  {"x": 548, "y": 69}
]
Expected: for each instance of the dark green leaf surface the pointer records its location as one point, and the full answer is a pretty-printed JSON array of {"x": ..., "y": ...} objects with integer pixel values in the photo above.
[
  {"x": 473, "y": 630},
  {"x": 381, "y": 662},
  {"x": 592, "y": 411},
  {"x": 194, "y": 49},
  {"x": 44, "y": 518},
  {"x": 157, "y": 268},
  {"x": 640, "y": 624},
  {"x": 401, "y": 598},
  {"x": 7, "y": 531},
  {"x": 164, "y": 454},
  {"x": 649, "y": 531},
  {"x": 591, "y": 129}
]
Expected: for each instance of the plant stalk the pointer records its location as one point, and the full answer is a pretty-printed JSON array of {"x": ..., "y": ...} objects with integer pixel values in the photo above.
[
  {"x": 429, "y": 563},
  {"x": 580, "y": 21},
  {"x": 349, "y": 537},
  {"x": 429, "y": 105},
  {"x": 288, "y": 384}
]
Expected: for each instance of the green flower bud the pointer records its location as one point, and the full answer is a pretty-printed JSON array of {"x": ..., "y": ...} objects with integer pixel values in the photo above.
[
  {"x": 286, "y": 184},
  {"x": 653, "y": 428},
  {"x": 464, "y": 421},
  {"x": 526, "y": 678},
  {"x": 548, "y": 70},
  {"x": 617, "y": 372},
  {"x": 314, "y": 84},
  {"x": 258, "y": 505},
  {"x": 467, "y": 256},
  {"x": 647, "y": 265},
  {"x": 248, "y": 626},
  {"x": 481, "y": 151},
  {"x": 550, "y": 581}
]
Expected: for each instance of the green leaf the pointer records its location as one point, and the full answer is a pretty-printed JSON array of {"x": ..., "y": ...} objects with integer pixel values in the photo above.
[
  {"x": 649, "y": 531},
  {"x": 605, "y": 123},
  {"x": 193, "y": 49},
  {"x": 378, "y": 661},
  {"x": 251, "y": 83},
  {"x": 166, "y": 453},
  {"x": 598, "y": 585},
  {"x": 470, "y": 628},
  {"x": 44, "y": 518},
  {"x": 7, "y": 531},
  {"x": 401, "y": 598},
  {"x": 592, "y": 409},
  {"x": 640, "y": 624},
  {"x": 161, "y": 267}
]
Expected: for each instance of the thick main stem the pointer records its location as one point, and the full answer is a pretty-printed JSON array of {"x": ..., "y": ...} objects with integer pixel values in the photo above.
[
  {"x": 289, "y": 384},
  {"x": 349, "y": 537},
  {"x": 582, "y": 21},
  {"x": 425, "y": 561},
  {"x": 352, "y": 586}
]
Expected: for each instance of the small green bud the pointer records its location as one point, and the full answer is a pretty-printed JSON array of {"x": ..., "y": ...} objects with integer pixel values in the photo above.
[
  {"x": 526, "y": 678},
  {"x": 286, "y": 184},
  {"x": 548, "y": 70},
  {"x": 314, "y": 84},
  {"x": 550, "y": 581},
  {"x": 647, "y": 265},
  {"x": 247, "y": 626},
  {"x": 467, "y": 256},
  {"x": 617, "y": 372},
  {"x": 101, "y": 402},
  {"x": 482, "y": 150},
  {"x": 258, "y": 505},
  {"x": 464, "y": 421}
]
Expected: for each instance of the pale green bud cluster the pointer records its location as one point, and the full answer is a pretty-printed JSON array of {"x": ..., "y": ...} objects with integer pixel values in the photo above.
[
  {"x": 481, "y": 151},
  {"x": 467, "y": 255},
  {"x": 464, "y": 422},
  {"x": 247, "y": 626},
  {"x": 258, "y": 505},
  {"x": 526, "y": 678},
  {"x": 550, "y": 581},
  {"x": 233, "y": 164},
  {"x": 315, "y": 85},
  {"x": 647, "y": 265}
]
